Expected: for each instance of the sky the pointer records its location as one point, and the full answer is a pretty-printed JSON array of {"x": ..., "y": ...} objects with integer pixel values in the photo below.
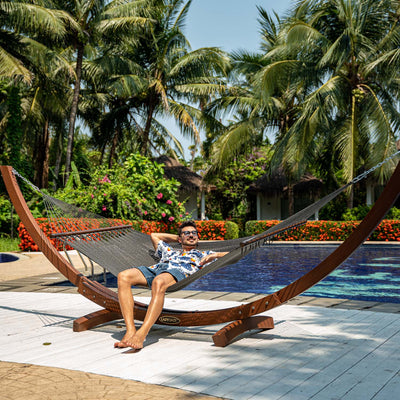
[{"x": 228, "y": 24}]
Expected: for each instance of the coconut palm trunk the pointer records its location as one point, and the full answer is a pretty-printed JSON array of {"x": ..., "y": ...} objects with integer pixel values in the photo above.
[
  {"x": 146, "y": 132},
  {"x": 114, "y": 145},
  {"x": 42, "y": 157},
  {"x": 74, "y": 110}
]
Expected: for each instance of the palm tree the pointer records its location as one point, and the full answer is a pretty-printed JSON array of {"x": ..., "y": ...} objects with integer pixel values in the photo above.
[
  {"x": 20, "y": 20},
  {"x": 263, "y": 102},
  {"x": 176, "y": 77},
  {"x": 93, "y": 20},
  {"x": 258, "y": 105},
  {"x": 157, "y": 76},
  {"x": 351, "y": 47},
  {"x": 28, "y": 34}
]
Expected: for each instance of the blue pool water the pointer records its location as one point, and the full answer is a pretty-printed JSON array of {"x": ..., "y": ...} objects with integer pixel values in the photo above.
[
  {"x": 372, "y": 273},
  {"x": 5, "y": 257}
]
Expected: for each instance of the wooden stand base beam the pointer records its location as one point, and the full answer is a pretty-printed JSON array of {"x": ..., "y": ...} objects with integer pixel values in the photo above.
[
  {"x": 225, "y": 335},
  {"x": 94, "y": 319}
]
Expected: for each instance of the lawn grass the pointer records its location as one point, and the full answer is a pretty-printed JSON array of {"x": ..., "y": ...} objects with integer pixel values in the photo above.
[{"x": 8, "y": 244}]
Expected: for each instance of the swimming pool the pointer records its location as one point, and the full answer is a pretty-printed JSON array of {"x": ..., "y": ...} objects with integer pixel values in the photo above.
[{"x": 372, "y": 273}]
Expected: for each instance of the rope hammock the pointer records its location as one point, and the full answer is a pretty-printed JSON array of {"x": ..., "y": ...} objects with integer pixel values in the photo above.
[
  {"x": 116, "y": 246},
  {"x": 240, "y": 318}
]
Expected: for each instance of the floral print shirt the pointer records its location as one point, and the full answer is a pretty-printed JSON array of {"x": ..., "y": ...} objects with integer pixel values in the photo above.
[{"x": 188, "y": 262}]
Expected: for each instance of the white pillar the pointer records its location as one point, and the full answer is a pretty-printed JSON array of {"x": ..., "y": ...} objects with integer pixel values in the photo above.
[
  {"x": 370, "y": 194},
  {"x": 203, "y": 206},
  {"x": 258, "y": 202}
]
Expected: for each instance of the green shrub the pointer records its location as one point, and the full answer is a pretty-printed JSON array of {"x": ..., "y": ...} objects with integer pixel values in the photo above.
[
  {"x": 8, "y": 244},
  {"x": 358, "y": 213},
  {"x": 394, "y": 213},
  {"x": 232, "y": 230},
  {"x": 5, "y": 216}
]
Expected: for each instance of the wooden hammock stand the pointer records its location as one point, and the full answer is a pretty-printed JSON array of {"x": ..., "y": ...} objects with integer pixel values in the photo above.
[{"x": 240, "y": 318}]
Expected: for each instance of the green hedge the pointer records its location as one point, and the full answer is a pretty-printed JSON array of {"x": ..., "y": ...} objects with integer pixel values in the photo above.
[{"x": 387, "y": 230}]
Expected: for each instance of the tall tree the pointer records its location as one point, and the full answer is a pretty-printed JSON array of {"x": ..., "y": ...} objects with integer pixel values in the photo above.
[
  {"x": 259, "y": 106},
  {"x": 30, "y": 31},
  {"x": 262, "y": 107},
  {"x": 95, "y": 18},
  {"x": 156, "y": 76},
  {"x": 352, "y": 47}
]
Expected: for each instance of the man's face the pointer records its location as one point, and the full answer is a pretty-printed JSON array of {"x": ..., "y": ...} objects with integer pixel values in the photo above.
[{"x": 189, "y": 237}]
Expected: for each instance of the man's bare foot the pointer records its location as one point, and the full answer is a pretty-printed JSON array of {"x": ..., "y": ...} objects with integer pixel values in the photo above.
[
  {"x": 136, "y": 341},
  {"x": 124, "y": 342}
]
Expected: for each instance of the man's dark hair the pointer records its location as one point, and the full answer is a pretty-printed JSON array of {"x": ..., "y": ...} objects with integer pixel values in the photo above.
[{"x": 184, "y": 225}]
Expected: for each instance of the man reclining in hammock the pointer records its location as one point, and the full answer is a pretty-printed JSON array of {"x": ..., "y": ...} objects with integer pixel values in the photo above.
[{"x": 174, "y": 265}]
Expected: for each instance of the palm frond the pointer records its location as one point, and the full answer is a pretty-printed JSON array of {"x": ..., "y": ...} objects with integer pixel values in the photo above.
[
  {"x": 11, "y": 67},
  {"x": 184, "y": 120}
]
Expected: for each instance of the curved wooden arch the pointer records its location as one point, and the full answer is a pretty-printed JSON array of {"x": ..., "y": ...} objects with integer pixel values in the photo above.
[{"x": 243, "y": 315}]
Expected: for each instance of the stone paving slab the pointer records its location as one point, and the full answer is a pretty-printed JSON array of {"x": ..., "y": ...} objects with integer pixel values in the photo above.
[
  {"x": 183, "y": 294},
  {"x": 214, "y": 295},
  {"x": 236, "y": 297},
  {"x": 359, "y": 305},
  {"x": 324, "y": 302},
  {"x": 386, "y": 307}
]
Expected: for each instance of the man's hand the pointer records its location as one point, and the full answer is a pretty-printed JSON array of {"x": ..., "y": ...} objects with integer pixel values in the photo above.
[
  {"x": 166, "y": 237},
  {"x": 211, "y": 257}
]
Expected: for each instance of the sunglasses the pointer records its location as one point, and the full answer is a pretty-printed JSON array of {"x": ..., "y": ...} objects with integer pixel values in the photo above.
[{"x": 188, "y": 233}]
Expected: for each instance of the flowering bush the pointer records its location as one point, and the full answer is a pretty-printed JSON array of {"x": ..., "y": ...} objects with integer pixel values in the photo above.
[
  {"x": 387, "y": 230},
  {"x": 208, "y": 230},
  {"x": 135, "y": 190},
  {"x": 217, "y": 230}
]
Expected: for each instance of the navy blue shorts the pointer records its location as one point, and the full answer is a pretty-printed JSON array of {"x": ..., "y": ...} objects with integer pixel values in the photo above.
[{"x": 151, "y": 273}]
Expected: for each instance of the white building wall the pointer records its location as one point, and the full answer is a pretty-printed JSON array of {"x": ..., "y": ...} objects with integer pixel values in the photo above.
[
  {"x": 268, "y": 207},
  {"x": 190, "y": 200}
]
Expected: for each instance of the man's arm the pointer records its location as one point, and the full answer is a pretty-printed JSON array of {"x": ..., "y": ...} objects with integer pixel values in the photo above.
[
  {"x": 211, "y": 257},
  {"x": 166, "y": 237}
]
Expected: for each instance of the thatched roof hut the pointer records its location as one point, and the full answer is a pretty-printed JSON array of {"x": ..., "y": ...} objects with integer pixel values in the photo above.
[
  {"x": 278, "y": 183},
  {"x": 189, "y": 180}
]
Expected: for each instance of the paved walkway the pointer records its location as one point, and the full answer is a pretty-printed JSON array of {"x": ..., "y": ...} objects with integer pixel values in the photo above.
[{"x": 342, "y": 350}]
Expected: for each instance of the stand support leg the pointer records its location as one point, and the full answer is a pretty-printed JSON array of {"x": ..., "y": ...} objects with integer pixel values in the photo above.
[
  {"x": 94, "y": 319},
  {"x": 225, "y": 335}
]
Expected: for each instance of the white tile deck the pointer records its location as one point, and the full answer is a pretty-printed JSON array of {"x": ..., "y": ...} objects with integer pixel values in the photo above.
[{"x": 313, "y": 353}]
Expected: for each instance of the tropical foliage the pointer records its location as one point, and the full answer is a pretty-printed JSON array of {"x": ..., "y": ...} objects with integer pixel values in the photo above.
[
  {"x": 134, "y": 190},
  {"x": 326, "y": 83},
  {"x": 89, "y": 85},
  {"x": 230, "y": 197},
  {"x": 121, "y": 68}
]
